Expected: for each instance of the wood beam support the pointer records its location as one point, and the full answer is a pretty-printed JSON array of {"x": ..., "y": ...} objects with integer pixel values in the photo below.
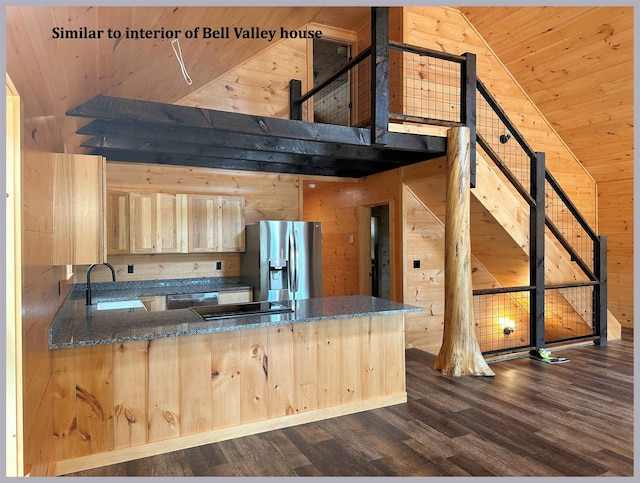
[{"x": 460, "y": 352}]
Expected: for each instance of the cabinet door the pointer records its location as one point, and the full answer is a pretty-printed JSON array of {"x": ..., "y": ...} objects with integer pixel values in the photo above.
[
  {"x": 232, "y": 223},
  {"x": 142, "y": 222},
  {"x": 235, "y": 297},
  {"x": 79, "y": 191},
  {"x": 204, "y": 213},
  {"x": 117, "y": 222},
  {"x": 170, "y": 223}
]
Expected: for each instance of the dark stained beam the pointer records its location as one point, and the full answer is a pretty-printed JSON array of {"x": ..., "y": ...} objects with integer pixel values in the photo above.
[
  {"x": 340, "y": 169},
  {"x": 121, "y": 109},
  {"x": 379, "y": 74},
  {"x": 213, "y": 137},
  {"x": 201, "y": 151}
]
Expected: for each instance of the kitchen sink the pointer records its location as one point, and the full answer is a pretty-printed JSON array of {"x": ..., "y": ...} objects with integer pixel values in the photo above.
[{"x": 120, "y": 304}]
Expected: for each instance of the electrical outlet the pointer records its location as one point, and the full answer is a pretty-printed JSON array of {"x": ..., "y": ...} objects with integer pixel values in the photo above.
[
  {"x": 416, "y": 264},
  {"x": 218, "y": 265},
  {"x": 130, "y": 268}
]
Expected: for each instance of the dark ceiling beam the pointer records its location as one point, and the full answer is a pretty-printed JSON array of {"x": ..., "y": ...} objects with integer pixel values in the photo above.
[
  {"x": 226, "y": 139},
  {"x": 240, "y": 165},
  {"x": 121, "y": 109},
  {"x": 236, "y": 154}
]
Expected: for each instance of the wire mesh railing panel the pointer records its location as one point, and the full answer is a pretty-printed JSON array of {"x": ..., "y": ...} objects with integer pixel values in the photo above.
[
  {"x": 502, "y": 320},
  {"x": 569, "y": 313},
  {"x": 345, "y": 101},
  {"x": 570, "y": 228},
  {"x": 497, "y": 135},
  {"x": 424, "y": 87}
]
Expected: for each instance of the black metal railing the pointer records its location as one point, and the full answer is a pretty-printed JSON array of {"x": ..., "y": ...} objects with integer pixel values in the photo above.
[
  {"x": 412, "y": 84},
  {"x": 570, "y": 311}
]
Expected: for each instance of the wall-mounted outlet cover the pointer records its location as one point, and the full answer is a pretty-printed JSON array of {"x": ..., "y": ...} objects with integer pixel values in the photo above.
[
  {"x": 218, "y": 265},
  {"x": 416, "y": 264},
  {"x": 350, "y": 238},
  {"x": 130, "y": 268}
]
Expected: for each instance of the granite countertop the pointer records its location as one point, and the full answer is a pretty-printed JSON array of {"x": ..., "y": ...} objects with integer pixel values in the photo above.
[{"x": 78, "y": 324}]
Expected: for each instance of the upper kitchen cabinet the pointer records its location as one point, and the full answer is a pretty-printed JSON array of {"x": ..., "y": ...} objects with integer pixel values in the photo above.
[
  {"x": 157, "y": 223},
  {"x": 204, "y": 219},
  {"x": 79, "y": 234},
  {"x": 215, "y": 223},
  {"x": 117, "y": 222},
  {"x": 232, "y": 223}
]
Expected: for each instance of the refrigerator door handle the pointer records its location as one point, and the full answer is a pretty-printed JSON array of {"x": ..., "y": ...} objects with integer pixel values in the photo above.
[
  {"x": 292, "y": 262},
  {"x": 297, "y": 270}
]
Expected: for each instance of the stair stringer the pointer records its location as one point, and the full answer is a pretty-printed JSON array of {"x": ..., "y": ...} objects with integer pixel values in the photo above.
[{"x": 500, "y": 231}]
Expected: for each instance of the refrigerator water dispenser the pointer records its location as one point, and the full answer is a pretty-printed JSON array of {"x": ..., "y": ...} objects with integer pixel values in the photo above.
[{"x": 278, "y": 274}]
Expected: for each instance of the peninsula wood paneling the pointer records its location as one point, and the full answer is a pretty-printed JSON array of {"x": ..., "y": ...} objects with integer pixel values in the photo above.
[
  {"x": 217, "y": 386},
  {"x": 576, "y": 64}
]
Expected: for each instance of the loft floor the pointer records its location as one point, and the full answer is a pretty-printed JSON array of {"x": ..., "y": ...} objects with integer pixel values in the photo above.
[{"x": 150, "y": 132}]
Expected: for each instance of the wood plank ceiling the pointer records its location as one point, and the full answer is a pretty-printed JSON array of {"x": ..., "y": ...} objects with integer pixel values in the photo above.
[{"x": 576, "y": 64}]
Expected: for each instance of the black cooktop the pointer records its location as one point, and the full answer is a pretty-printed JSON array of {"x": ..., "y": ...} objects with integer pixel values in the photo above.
[{"x": 210, "y": 312}]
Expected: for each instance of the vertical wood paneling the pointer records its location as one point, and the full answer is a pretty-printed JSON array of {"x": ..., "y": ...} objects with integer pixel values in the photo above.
[
  {"x": 94, "y": 399},
  {"x": 329, "y": 363},
  {"x": 254, "y": 370},
  {"x": 225, "y": 379},
  {"x": 305, "y": 364},
  {"x": 373, "y": 357},
  {"x": 164, "y": 389},
  {"x": 394, "y": 344},
  {"x": 130, "y": 393},
  {"x": 65, "y": 417},
  {"x": 352, "y": 360},
  {"x": 281, "y": 371},
  {"x": 202, "y": 383},
  {"x": 195, "y": 383}
]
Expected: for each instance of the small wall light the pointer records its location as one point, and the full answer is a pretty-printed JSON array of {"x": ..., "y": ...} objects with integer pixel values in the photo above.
[
  {"x": 508, "y": 325},
  {"x": 504, "y": 138},
  {"x": 312, "y": 185}
]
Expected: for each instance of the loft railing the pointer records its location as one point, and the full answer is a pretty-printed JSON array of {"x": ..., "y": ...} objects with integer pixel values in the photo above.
[{"x": 412, "y": 84}]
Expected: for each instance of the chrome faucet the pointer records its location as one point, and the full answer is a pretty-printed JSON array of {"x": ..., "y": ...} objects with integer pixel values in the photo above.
[{"x": 88, "y": 290}]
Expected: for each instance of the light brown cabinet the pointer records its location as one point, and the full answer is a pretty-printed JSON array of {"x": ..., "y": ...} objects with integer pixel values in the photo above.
[
  {"x": 215, "y": 223},
  {"x": 117, "y": 222},
  {"x": 79, "y": 190},
  {"x": 235, "y": 296},
  {"x": 140, "y": 223},
  {"x": 156, "y": 223}
]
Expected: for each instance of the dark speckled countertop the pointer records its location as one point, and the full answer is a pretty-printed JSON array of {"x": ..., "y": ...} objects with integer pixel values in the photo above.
[{"x": 78, "y": 324}]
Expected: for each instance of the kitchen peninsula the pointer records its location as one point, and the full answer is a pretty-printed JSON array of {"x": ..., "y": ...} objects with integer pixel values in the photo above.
[{"x": 130, "y": 383}]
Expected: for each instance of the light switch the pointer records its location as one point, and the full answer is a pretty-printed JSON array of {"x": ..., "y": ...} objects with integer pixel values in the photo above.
[
  {"x": 416, "y": 264},
  {"x": 350, "y": 238}
]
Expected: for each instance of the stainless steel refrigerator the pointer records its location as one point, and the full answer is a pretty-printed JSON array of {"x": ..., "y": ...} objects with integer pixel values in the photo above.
[{"x": 283, "y": 260}]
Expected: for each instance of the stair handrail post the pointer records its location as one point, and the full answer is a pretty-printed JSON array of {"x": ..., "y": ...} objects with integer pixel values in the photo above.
[
  {"x": 600, "y": 296},
  {"x": 379, "y": 74},
  {"x": 536, "y": 250},
  {"x": 469, "y": 83},
  {"x": 295, "y": 93}
]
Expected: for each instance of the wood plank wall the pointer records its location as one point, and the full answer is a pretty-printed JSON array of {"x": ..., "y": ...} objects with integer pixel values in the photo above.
[
  {"x": 337, "y": 206},
  {"x": 446, "y": 29},
  {"x": 268, "y": 196},
  {"x": 42, "y": 296}
]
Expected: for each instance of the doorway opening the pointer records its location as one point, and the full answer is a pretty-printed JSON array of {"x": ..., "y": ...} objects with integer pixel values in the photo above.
[
  {"x": 380, "y": 252},
  {"x": 331, "y": 105}
]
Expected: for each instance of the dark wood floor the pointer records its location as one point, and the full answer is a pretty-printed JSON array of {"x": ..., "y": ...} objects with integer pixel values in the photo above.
[{"x": 531, "y": 419}]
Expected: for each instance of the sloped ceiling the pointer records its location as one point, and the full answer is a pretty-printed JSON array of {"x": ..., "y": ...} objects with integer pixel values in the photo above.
[
  {"x": 64, "y": 73},
  {"x": 576, "y": 64}
]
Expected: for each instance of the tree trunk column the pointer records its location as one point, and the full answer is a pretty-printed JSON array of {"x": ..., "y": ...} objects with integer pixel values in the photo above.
[{"x": 460, "y": 353}]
